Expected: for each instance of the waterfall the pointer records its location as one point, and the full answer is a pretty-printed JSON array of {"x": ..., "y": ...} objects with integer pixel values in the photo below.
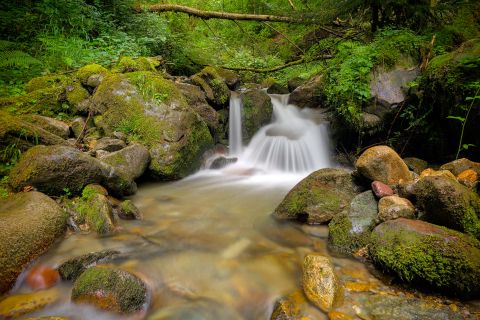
[
  {"x": 235, "y": 125},
  {"x": 291, "y": 143}
]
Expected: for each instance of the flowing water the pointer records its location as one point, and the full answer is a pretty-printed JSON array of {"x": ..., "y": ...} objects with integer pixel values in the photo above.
[{"x": 208, "y": 247}]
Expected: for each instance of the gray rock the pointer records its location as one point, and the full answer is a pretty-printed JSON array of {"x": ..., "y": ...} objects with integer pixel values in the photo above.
[
  {"x": 131, "y": 161},
  {"x": 222, "y": 162},
  {"x": 30, "y": 224},
  {"x": 109, "y": 144},
  {"x": 458, "y": 166},
  {"x": 51, "y": 125},
  {"x": 309, "y": 94},
  {"x": 388, "y": 88},
  {"x": 351, "y": 230},
  {"x": 198, "y": 102},
  {"x": 52, "y": 169},
  {"x": 415, "y": 164},
  {"x": 257, "y": 112}
]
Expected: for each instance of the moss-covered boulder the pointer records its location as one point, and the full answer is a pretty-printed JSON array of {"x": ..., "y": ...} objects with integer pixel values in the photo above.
[
  {"x": 129, "y": 64},
  {"x": 73, "y": 268},
  {"x": 127, "y": 210},
  {"x": 54, "y": 169},
  {"x": 77, "y": 97},
  {"x": 382, "y": 163},
  {"x": 152, "y": 111},
  {"x": 351, "y": 230},
  {"x": 448, "y": 203},
  {"x": 131, "y": 161},
  {"x": 110, "y": 289},
  {"x": 256, "y": 112},
  {"x": 94, "y": 210},
  {"x": 30, "y": 224},
  {"x": 319, "y": 197},
  {"x": 18, "y": 134},
  {"x": 214, "y": 86},
  {"x": 415, "y": 164},
  {"x": 197, "y": 101},
  {"x": 51, "y": 125},
  {"x": 91, "y": 75},
  {"x": 310, "y": 94},
  {"x": 422, "y": 253},
  {"x": 47, "y": 101},
  {"x": 48, "y": 81}
]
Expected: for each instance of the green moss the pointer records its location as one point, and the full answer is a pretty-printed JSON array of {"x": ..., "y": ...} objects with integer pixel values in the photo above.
[
  {"x": 45, "y": 82},
  {"x": 95, "y": 212},
  {"x": 124, "y": 292},
  {"x": 86, "y": 71},
  {"x": 154, "y": 88},
  {"x": 129, "y": 64},
  {"x": 76, "y": 94},
  {"x": 342, "y": 239},
  {"x": 47, "y": 102},
  {"x": 450, "y": 266},
  {"x": 213, "y": 85}
]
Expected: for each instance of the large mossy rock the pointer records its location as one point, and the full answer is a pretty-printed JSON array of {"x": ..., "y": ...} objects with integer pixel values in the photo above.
[
  {"x": 422, "y": 253},
  {"x": 54, "y": 169},
  {"x": 152, "y": 111},
  {"x": 214, "y": 86},
  {"x": 20, "y": 132},
  {"x": 29, "y": 223},
  {"x": 448, "y": 203},
  {"x": 310, "y": 94},
  {"x": 91, "y": 75},
  {"x": 197, "y": 101},
  {"x": 351, "y": 230},
  {"x": 257, "y": 112},
  {"x": 131, "y": 162},
  {"x": 129, "y": 64},
  {"x": 383, "y": 164},
  {"x": 51, "y": 125},
  {"x": 110, "y": 289},
  {"x": 319, "y": 197}
]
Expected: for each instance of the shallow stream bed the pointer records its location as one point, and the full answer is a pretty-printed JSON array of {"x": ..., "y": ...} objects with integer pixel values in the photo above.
[{"x": 208, "y": 248}]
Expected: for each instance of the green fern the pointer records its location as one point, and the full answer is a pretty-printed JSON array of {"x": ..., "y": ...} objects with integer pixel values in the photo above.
[{"x": 16, "y": 59}]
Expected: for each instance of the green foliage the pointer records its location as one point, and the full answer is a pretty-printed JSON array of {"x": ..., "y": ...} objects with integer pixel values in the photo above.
[
  {"x": 348, "y": 80},
  {"x": 4, "y": 187},
  {"x": 473, "y": 101}
]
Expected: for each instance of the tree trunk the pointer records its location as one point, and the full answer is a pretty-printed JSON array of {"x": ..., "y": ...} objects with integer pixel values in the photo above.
[
  {"x": 222, "y": 15},
  {"x": 374, "y": 7}
]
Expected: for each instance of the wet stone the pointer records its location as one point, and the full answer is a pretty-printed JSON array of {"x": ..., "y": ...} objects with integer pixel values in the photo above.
[{"x": 381, "y": 189}]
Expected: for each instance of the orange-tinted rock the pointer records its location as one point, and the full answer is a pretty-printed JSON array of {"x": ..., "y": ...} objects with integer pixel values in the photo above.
[
  {"x": 42, "y": 277},
  {"x": 434, "y": 173},
  {"x": 468, "y": 178},
  {"x": 382, "y": 163},
  {"x": 381, "y": 190}
]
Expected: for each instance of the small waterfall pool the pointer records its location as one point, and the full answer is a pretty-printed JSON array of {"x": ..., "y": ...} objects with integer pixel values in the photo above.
[{"x": 208, "y": 247}]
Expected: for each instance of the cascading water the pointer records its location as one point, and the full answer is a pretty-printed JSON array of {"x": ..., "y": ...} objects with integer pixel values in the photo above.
[
  {"x": 235, "y": 125},
  {"x": 291, "y": 143}
]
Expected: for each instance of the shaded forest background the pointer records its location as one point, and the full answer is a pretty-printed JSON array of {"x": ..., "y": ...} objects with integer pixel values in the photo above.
[{"x": 54, "y": 36}]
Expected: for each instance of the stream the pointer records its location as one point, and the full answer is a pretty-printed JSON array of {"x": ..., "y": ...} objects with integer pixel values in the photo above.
[{"x": 208, "y": 248}]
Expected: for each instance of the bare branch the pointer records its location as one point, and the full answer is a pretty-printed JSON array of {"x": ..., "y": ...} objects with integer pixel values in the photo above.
[{"x": 267, "y": 70}]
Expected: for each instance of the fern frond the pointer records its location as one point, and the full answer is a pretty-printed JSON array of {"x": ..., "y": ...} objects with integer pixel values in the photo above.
[
  {"x": 6, "y": 45},
  {"x": 16, "y": 58}
]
